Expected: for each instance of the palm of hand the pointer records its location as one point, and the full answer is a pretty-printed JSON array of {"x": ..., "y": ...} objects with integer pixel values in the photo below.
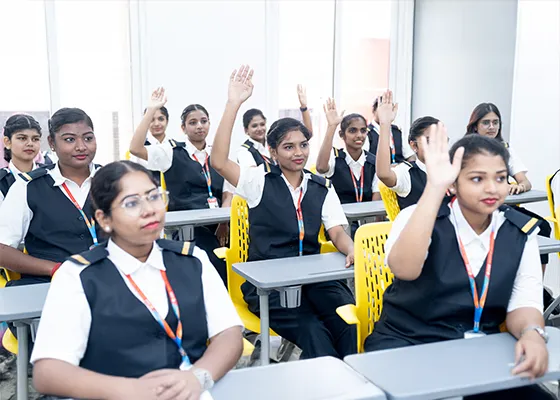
[
  {"x": 386, "y": 113},
  {"x": 240, "y": 91},
  {"x": 441, "y": 171}
]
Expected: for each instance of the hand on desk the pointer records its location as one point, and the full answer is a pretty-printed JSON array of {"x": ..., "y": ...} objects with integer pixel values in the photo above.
[
  {"x": 175, "y": 384},
  {"x": 350, "y": 259},
  {"x": 531, "y": 356},
  {"x": 516, "y": 189}
]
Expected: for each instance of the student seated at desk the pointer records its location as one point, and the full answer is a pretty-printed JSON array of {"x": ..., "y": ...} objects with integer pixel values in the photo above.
[
  {"x": 49, "y": 208},
  {"x": 352, "y": 169},
  {"x": 192, "y": 182},
  {"x": 254, "y": 151},
  {"x": 287, "y": 207},
  {"x": 468, "y": 255},
  {"x": 406, "y": 179},
  {"x": 136, "y": 317},
  {"x": 486, "y": 120},
  {"x": 22, "y": 142}
]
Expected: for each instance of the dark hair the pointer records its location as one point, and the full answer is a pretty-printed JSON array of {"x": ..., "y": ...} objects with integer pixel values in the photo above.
[
  {"x": 347, "y": 120},
  {"x": 419, "y": 126},
  {"x": 189, "y": 109},
  {"x": 478, "y": 113},
  {"x": 375, "y": 104},
  {"x": 67, "y": 116},
  {"x": 478, "y": 144},
  {"x": 105, "y": 185},
  {"x": 249, "y": 115},
  {"x": 16, "y": 123},
  {"x": 282, "y": 127},
  {"x": 163, "y": 111}
]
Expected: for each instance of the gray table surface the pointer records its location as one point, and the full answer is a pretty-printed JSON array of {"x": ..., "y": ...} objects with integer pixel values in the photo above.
[
  {"x": 22, "y": 302},
  {"x": 532, "y": 196},
  {"x": 281, "y": 272},
  {"x": 319, "y": 378},
  {"x": 451, "y": 368},
  {"x": 205, "y": 216},
  {"x": 366, "y": 209},
  {"x": 548, "y": 245}
]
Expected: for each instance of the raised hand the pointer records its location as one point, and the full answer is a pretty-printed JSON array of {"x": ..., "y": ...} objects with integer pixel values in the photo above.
[
  {"x": 302, "y": 95},
  {"x": 333, "y": 118},
  {"x": 441, "y": 172},
  {"x": 240, "y": 85},
  {"x": 158, "y": 98},
  {"x": 386, "y": 110}
]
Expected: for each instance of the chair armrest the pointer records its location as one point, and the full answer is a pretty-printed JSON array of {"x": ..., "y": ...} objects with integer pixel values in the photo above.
[
  {"x": 349, "y": 313},
  {"x": 220, "y": 252}
]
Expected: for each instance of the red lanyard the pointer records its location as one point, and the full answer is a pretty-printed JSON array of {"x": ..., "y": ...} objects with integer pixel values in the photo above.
[
  {"x": 90, "y": 225},
  {"x": 206, "y": 172},
  {"x": 176, "y": 337},
  {"x": 478, "y": 302},
  {"x": 299, "y": 215},
  {"x": 359, "y": 197}
]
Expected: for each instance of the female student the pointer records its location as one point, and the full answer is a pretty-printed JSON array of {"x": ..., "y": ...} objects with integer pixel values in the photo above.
[
  {"x": 287, "y": 207},
  {"x": 136, "y": 317},
  {"x": 442, "y": 251},
  {"x": 22, "y": 142},
  {"x": 255, "y": 150},
  {"x": 406, "y": 179},
  {"x": 399, "y": 149},
  {"x": 191, "y": 180},
  {"x": 50, "y": 208}
]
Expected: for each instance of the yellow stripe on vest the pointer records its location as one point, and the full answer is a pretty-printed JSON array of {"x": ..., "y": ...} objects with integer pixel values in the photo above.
[
  {"x": 529, "y": 225},
  {"x": 186, "y": 248},
  {"x": 80, "y": 259},
  {"x": 26, "y": 176}
]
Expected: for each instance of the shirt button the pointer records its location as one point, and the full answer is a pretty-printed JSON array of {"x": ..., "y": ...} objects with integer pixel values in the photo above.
[
  {"x": 80, "y": 218},
  {"x": 82, "y": 237}
]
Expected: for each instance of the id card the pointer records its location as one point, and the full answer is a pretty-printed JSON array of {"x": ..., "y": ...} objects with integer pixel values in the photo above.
[
  {"x": 473, "y": 334},
  {"x": 213, "y": 202}
]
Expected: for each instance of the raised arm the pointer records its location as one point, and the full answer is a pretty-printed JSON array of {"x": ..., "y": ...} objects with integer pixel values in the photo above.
[
  {"x": 137, "y": 147},
  {"x": 333, "y": 120},
  {"x": 306, "y": 115},
  {"x": 408, "y": 254},
  {"x": 239, "y": 90},
  {"x": 386, "y": 112}
]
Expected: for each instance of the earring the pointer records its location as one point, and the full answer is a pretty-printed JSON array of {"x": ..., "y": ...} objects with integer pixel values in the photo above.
[{"x": 107, "y": 229}]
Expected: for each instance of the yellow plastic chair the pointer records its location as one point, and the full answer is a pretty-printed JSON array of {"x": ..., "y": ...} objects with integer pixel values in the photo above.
[
  {"x": 313, "y": 169},
  {"x": 554, "y": 211},
  {"x": 9, "y": 341},
  {"x": 372, "y": 278},
  {"x": 389, "y": 201}
]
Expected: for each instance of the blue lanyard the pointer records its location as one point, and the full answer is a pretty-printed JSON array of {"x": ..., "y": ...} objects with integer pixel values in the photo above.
[{"x": 206, "y": 172}]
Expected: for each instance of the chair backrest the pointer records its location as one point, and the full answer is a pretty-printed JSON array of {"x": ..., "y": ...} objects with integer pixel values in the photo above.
[
  {"x": 554, "y": 208},
  {"x": 238, "y": 250},
  {"x": 389, "y": 201},
  {"x": 372, "y": 276}
]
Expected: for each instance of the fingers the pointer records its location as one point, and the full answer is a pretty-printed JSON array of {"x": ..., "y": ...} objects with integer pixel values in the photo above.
[
  {"x": 232, "y": 77},
  {"x": 250, "y": 76},
  {"x": 174, "y": 390},
  {"x": 458, "y": 159},
  {"x": 396, "y": 108}
]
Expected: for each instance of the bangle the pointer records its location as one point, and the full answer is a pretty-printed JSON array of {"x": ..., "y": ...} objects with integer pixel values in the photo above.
[
  {"x": 303, "y": 109},
  {"x": 55, "y": 268}
]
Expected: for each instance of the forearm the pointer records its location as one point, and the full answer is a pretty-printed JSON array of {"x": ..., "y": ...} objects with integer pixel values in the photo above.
[
  {"x": 222, "y": 354},
  {"x": 306, "y": 116},
  {"x": 407, "y": 255},
  {"x": 341, "y": 240},
  {"x": 325, "y": 151},
  {"x": 59, "y": 378},
  {"x": 226, "y": 199},
  {"x": 222, "y": 142},
  {"x": 137, "y": 147},
  {"x": 519, "y": 319},
  {"x": 383, "y": 158},
  {"x": 16, "y": 261}
]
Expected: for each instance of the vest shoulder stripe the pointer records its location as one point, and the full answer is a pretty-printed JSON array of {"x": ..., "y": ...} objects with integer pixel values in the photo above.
[
  {"x": 89, "y": 257},
  {"x": 175, "y": 143},
  {"x": 3, "y": 173},
  {"x": 248, "y": 144},
  {"x": 525, "y": 223},
  {"x": 188, "y": 248},
  {"x": 529, "y": 226},
  {"x": 79, "y": 259},
  {"x": 408, "y": 163},
  {"x": 321, "y": 180},
  {"x": 370, "y": 158},
  {"x": 184, "y": 248},
  {"x": 37, "y": 173}
]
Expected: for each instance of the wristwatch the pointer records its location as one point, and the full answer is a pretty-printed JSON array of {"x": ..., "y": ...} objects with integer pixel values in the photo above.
[
  {"x": 204, "y": 378},
  {"x": 539, "y": 330}
]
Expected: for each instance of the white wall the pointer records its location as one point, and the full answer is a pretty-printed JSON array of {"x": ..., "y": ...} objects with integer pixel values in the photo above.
[
  {"x": 463, "y": 56},
  {"x": 194, "y": 51}
]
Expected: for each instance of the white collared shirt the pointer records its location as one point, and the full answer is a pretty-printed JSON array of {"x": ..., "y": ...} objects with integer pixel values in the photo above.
[
  {"x": 153, "y": 142},
  {"x": 355, "y": 166},
  {"x": 15, "y": 214},
  {"x": 160, "y": 158},
  {"x": 406, "y": 149},
  {"x": 404, "y": 183},
  {"x": 16, "y": 173},
  {"x": 251, "y": 187},
  {"x": 515, "y": 164},
  {"x": 246, "y": 159},
  {"x": 66, "y": 319},
  {"x": 528, "y": 285}
]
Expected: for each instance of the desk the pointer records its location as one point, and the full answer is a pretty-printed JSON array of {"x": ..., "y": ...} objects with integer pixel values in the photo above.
[
  {"x": 20, "y": 305},
  {"x": 451, "y": 368},
  {"x": 268, "y": 275},
  {"x": 356, "y": 211},
  {"x": 318, "y": 378},
  {"x": 532, "y": 196},
  {"x": 548, "y": 245}
]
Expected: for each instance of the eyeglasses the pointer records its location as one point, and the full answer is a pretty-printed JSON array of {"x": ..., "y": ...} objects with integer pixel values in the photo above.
[
  {"x": 486, "y": 123},
  {"x": 134, "y": 205}
]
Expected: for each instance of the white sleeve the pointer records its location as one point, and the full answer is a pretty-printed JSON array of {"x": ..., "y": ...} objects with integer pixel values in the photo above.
[
  {"x": 66, "y": 318},
  {"x": 15, "y": 215},
  {"x": 228, "y": 187},
  {"x": 251, "y": 184},
  {"x": 245, "y": 158},
  {"x": 160, "y": 156},
  {"x": 332, "y": 213},
  {"x": 406, "y": 149},
  {"x": 404, "y": 184},
  {"x": 375, "y": 184},
  {"x": 1, "y": 198},
  {"x": 515, "y": 164},
  {"x": 332, "y": 164},
  {"x": 398, "y": 225},
  {"x": 528, "y": 285},
  {"x": 220, "y": 311}
]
